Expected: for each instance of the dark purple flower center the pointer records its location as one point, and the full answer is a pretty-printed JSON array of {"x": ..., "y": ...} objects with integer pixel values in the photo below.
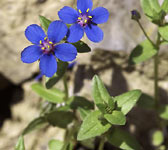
[
  {"x": 84, "y": 18},
  {"x": 47, "y": 46}
]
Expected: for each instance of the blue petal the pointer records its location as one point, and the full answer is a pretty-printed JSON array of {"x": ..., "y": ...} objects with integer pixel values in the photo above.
[
  {"x": 34, "y": 33},
  {"x": 57, "y": 31},
  {"x": 68, "y": 15},
  {"x": 83, "y": 5},
  {"x": 48, "y": 65},
  {"x": 100, "y": 15},
  {"x": 65, "y": 52},
  {"x": 76, "y": 32},
  {"x": 94, "y": 33},
  {"x": 31, "y": 53}
]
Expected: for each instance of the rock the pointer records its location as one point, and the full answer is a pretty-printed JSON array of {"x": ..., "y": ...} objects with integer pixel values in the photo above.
[{"x": 22, "y": 114}]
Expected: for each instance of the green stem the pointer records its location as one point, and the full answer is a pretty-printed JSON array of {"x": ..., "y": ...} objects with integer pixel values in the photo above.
[
  {"x": 69, "y": 134},
  {"x": 156, "y": 71},
  {"x": 156, "y": 80},
  {"x": 146, "y": 35},
  {"x": 65, "y": 87},
  {"x": 101, "y": 145}
]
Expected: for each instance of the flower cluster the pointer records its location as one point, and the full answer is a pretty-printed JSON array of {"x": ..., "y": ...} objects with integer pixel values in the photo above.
[
  {"x": 47, "y": 49},
  {"x": 84, "y": 20}
]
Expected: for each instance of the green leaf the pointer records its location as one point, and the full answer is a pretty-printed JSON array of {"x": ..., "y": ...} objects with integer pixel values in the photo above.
[
  {"x": 81, "y": 47},
  {"x": 52, "y": 95},
  {"x": 123, "y": 140},
  {"x": 163, "y": 32},
  {"x": 60, "y": 118},
  {"x": 55, "y": 145},
  {"x": 151, "y": 8},
  {"x": 116, "y": 118},
  {"x": 78, "y": 101},
  {"x": 61, "y": 69},
  {"x": 157, "y": 138},
  {"x": 142, "y": 52},
  {"x": 35, "y": 124},
  {"x": 92, "y": 126},
  {"x": 44, "y": 23},
  {"x": 89, "y": 143},
  {"x": 146, "y": 101},
  {"x": 20, "y": 144},
  {"x": 111, "y": 103},
  {"x": 100, "y": 94},
  {"x": 127, "y": 100},
  {"x": 165, "y": 6},
  {"x": 83, "y": 113},
  {"x": 163, "y": 112}
]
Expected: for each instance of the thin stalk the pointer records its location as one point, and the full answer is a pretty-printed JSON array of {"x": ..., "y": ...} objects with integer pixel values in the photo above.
[
  {"x": 156, "y": 71},
  {"x": 156, "y": 93},
  {"x": 65, "y": 87},
  {"x": 101, "y": 145},
  {"x": 69, "y": 134},
  {"x": 146, "y": 35}
]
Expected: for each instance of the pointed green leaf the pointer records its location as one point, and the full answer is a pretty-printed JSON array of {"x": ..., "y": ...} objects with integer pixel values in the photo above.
[
  {"x": 44, "y": 23},
  {"x": 83, "y": 113},
  {"x": 60, "y": 118},
  {"x": 163, "y": 32},
  {"x": 100, "y": 94},
  {"x": 61, "y": 69},
  {"x": 52, "y": 95},
  {"x": 165, "y": 6},
  {"x": 142, "y": 52},
  {"x": 111, "y": 103},
  {"x": 92, "y": 126},
  {"x": 123, "y": 140},
  {"x": 81, "y": 47},
  {"x": 20, "y": 144},
  {"x": 78, "y": 101},
  {"x": 55, "y": 145},
  {"x": 151, "y": 9},
  {"x": 35, "y": 124},
  {"x": 127, "y": 100},
  {"x": 163, "y": 112},
  {"x": 116, "y": 118}
]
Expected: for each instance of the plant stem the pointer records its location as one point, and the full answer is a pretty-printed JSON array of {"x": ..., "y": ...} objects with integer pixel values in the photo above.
[
  {"x": 69, "y": 134},
  {"x": 146, "y": 35},
  {"x": 156, "y": 80},
  {"x": 101, "y": 145},
  {"x": 156, "y": 71},
  {"x": 65, "y": 87}
]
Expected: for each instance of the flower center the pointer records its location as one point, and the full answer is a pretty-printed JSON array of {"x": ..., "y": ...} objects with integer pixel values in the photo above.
[
  {"x": 47, "y": 46},
  {"x": 84, "y": 19}
]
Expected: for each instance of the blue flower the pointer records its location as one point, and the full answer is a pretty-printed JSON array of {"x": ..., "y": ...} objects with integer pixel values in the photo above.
[
  {"x": 45, "y": 47},
  {"x": 84, "y": 20}
]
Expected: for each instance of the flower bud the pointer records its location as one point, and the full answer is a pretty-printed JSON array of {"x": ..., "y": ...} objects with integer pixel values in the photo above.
[{"x": 135, "y": 15}]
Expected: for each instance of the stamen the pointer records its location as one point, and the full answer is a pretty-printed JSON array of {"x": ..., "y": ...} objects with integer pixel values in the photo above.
[
  {"x": 45, "y": 38},
  {"x": 80, "y": 11},
  {"x": 48, "y": 46},
  {"x": 87, "y": 10},
  {"x": 85, "y": 21},
  {"x": 90, "y": 16},
  {"x": 40, "y": 41},
  {"x": 79, "y": 18},
  {"x": 51, "y": 42},
  {"x": 43, "y": 48}
]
